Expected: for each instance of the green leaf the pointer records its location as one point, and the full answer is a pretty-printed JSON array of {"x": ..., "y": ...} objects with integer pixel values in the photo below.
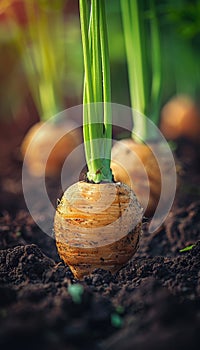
[
  {"x": 76, "y": 292},
  {"x": 116, "y": 320},
  {"x": 186, "y": 249}
]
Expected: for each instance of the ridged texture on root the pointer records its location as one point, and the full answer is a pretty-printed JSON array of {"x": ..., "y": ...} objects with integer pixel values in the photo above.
[{"x": 97, "y": 226}]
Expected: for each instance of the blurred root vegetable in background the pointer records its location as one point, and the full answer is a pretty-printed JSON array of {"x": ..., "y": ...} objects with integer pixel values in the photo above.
[
  {"x": 45, "y": 149},
  {"x": 180, "y": 118}
]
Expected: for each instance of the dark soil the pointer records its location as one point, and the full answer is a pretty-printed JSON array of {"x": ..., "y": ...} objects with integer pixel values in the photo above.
[{"x": 152, "y": 303}]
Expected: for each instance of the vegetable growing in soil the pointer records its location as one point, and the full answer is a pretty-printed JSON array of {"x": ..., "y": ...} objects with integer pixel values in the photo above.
[
  {"x": 41, "y": 157},
  {"x": 144, "y": 73},
  {"x": 180, "y": 118},
  {"x": 43, "y": 61},
  {"x": 97, "y": 222},
  {"x": 138, "y": 170}
]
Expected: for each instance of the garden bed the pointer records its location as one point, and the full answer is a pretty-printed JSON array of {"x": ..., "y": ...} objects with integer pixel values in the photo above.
[{"x": 152, "y": 303}]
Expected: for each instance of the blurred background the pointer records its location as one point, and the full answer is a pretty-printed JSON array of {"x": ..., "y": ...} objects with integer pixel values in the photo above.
[{"x": 41, "y": 66}]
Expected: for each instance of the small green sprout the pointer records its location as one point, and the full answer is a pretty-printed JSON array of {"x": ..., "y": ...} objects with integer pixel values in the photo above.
[
  {"x": 76, "y": 292},
  {"x": 116, "y": 320},
  {"x": 119, "y": 309},
  {"x": 186, "y": 249}
]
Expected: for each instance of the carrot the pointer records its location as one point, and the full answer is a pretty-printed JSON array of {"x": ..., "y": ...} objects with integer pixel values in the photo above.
[{"x": 98, "y": 222}]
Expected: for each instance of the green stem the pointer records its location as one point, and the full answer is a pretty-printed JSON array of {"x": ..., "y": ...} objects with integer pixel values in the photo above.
[
  {"x": 41, "y": 57},
  {"x": 85, "y": 29},
  {"x": 95, "y": 123},
  {"x": 144, "y": 96},
  {"x": 137, "y": 83},
  {"x": 106, "y": 85},
  {"x": 156, "y": 65},
  {"x": 88, "y": 88},
  {"x": 96, "y": 119},
  {"x": 96, "y": 51}
]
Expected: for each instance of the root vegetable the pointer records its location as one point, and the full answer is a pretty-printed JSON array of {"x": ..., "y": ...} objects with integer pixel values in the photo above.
[
  {"x": 180, "y": 117},
  {"x": 97, "y": 226},
  {"x": 42, "y": 157},
  {"x": 135, "y": 165},
  {"x": 97, "y": 223}
]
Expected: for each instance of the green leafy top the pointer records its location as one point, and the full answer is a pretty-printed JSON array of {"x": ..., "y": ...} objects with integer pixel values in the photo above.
[
  {"x": 44, "y": 54},
  {"x": 142, "y": 43},
  {"x": 41, "y": 39},
  {"x": 97, "y": 118}
]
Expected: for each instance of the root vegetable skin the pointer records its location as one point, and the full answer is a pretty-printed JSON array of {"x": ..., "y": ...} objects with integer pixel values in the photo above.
[
  {"x": 97, "y": 226},
  {"x": 135, "y": 165},
  {"x": 42, "y": 158},
  {"x": 180, "y": 117}
]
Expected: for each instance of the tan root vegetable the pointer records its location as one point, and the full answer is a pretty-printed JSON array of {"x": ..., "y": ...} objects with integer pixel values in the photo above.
[
  {"x": 97, "y": 223},
  {"x": 97, "y": 226},
  {"x": 180, "y": 117},
  {"x": 42, "y": 157},
  {"x": 135, "y": 165}
]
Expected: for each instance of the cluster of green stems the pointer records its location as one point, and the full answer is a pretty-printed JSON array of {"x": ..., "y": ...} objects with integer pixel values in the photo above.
[
  {"x": 144, "y": 64},
  {"x": 97, "y": 113},
  {"x": 144, "y": 73},
  {"x": 42, "y": 50}
]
